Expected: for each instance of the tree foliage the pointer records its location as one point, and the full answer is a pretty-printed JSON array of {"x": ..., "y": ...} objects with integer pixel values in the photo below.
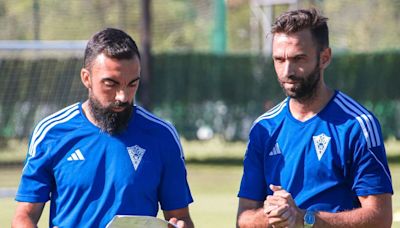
[{"x": 187, "y": 25}]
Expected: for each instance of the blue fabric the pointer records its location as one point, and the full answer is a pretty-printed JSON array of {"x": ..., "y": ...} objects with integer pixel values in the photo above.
[
  {"x": 283, "y": 151},
  {"x": 89, "y": 175}
]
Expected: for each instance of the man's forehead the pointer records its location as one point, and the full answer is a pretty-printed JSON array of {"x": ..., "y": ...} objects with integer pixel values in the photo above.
[
  {"x": 102, "y": 57},
  {"x": 299, "y": 41},
  {"x": 300, "y": 37},
  {"x": 103, "y": 60}
]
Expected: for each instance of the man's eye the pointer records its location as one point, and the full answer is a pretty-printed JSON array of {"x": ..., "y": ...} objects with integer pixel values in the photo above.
[
  {"x": 109, "y": 83},
  {"x": 298, "y": 58},
  {"x": 133, "y": 84}
]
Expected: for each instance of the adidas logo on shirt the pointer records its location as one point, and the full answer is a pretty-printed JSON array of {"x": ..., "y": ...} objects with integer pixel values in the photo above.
[
  {"x": 275, "y": 151},
  {"x": 76, "y": 156}
]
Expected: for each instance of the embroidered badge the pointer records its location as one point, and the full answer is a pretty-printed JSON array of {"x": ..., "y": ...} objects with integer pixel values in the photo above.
[
  {"x": 136, "y": 153},
  {"x": 321, "y": 143}
]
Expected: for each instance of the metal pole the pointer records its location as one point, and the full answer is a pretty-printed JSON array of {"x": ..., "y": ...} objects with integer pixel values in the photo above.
[
  {"x": 36, "y": 20},
  {"x": 145, "y": 36},
  {"x": 219, "y": 34}
]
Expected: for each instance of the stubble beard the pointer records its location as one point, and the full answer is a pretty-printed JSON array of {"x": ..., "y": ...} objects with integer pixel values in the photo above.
[
  {"x": 108, "y": 120},
  {"x": 306, "y": 87}
]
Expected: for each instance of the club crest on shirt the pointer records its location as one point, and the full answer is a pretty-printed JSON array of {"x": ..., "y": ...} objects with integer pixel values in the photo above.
[
  {"x": 321, "y": 143},
  {"x": 135, "y": 153}
]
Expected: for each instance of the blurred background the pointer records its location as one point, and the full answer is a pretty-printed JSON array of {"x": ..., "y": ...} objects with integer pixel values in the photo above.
[
  {"x": 206, "y": 68},
  {"x": 207, "y": 65}
]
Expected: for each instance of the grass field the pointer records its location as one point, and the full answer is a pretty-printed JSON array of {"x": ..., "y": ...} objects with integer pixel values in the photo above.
[{"x": 214, "y": 183}]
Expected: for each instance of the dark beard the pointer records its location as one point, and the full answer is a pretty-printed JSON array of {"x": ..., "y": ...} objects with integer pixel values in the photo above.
[
  {"x": 108, "y": 120},
  {"x": 306, "y": 87}
]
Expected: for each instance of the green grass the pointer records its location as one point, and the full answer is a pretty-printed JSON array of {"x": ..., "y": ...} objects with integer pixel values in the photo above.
[
  {"x": 214, "y": 190},
  {"x": 214, "y": 187}
]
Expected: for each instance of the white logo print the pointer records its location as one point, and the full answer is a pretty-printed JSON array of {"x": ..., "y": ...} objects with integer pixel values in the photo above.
[
  {"x": 135, "y": 153},
  {"x": 76, "y": 156},
  {"x": 275, "y": 151},
  {"x": 321, "y": 142}
]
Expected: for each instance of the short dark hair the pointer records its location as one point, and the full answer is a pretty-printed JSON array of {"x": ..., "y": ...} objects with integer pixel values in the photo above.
[
  {"x": 113, "y": 43},
  {"x": 297, "y": 20}
]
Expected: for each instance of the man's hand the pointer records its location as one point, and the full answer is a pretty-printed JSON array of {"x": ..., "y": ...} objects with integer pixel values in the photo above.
[
  {"x": 177, "y": 223},
  {"x": 179, "y": 217},
  {"x": 281, "y": 209}
]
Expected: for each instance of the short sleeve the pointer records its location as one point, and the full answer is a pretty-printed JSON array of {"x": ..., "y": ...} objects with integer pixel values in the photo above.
[
  {"x": 253, "y": 185},
  {"x": 174, "y": 192},
  {"x": 370, "y": 170},
  {"x": 36, "y": 179}
]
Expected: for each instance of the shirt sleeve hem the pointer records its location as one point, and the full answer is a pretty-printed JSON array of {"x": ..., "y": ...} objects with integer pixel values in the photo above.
[
  {"x": 373, "y": 192},
  {"x": 176, "y": 206},
  {"x": 31, "y": 199},
  {"x": 250, "y": 197}
]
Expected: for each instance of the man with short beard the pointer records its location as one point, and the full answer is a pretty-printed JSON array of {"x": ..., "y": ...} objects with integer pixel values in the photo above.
[
  {"x": 105, "y": 156},
  {"x": 317, "y": 159}
]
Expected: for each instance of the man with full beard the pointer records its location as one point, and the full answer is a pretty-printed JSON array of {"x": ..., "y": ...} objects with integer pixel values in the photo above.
[
  {"x": 105, "y": 156},
  {"x": 317, "y": 159}
]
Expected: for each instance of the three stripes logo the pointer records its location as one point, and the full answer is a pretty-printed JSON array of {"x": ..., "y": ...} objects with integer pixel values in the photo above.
[
  {"x": 76, "y": 156},
  {"x": 275, "y": 151}
]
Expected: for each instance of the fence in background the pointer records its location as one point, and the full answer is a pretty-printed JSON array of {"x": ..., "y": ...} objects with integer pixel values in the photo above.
[{"x": 200, "y": 93}]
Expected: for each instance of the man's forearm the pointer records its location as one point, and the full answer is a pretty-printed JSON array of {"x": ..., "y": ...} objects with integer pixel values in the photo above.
[
  {"x": 361, "y": 217},
  {"x": 23, "y": 221},
  {"x": 252, "y": 218},
  {"x": 27, "y": 214}
]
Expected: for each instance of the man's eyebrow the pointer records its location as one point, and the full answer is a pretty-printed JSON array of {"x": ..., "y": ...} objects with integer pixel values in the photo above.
[
  {"x": 300, "y": 55},
  {"x": 289, "y": 57},
  {"x": 134, "y": 80}
]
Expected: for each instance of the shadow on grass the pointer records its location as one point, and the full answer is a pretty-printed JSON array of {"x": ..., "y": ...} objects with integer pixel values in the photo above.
[
  {"x": 221, "y": 161},
  {"x": 394, "y": 159},
  {"x": 216, "y": 161},
  {"x": 11, "y": 164}
]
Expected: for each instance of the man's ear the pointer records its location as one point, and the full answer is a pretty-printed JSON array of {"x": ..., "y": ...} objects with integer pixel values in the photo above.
[
  {"x": 325, "y": 58},
  {"x": 85, "y": 77}
]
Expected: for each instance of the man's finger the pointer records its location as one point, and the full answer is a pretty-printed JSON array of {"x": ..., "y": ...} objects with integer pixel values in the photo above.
[
  {"x": 275, "y": 188},
  {"x": 278, "y": 211},
  {"x": 278, "y": 222},
  {"x": 276, "y": 200},
  {"x": 180, "y": 224},
  {"x": 282, "y": 193},
  {"x": 269, "y": 208},
  {"x": 272, "y": 203},
  {"x": 280, "y": 217},
  {"x": 173, "y": 221}
]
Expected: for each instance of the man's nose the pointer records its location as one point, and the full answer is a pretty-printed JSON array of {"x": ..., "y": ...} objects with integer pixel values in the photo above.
[
  {"x": 122, "y": 95},
  {"x": 288, "y": 69}
]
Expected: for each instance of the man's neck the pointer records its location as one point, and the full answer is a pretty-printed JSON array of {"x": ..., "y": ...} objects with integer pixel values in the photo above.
[
  {"x": 303, "y": 110},
  {"x": 88, "y": 114}
]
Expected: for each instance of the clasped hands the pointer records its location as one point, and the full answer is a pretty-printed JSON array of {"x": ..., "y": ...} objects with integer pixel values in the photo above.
[{"x": 281, "y": 209}]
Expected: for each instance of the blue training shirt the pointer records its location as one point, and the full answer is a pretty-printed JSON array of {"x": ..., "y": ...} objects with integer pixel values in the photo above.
[
  {"x": 325, "y": 162},
  {"x": 90, "y": 175}
]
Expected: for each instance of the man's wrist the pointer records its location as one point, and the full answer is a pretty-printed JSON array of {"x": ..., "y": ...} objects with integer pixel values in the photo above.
[
  {"x": 309, "y": 219},
  {"x": 300, "y": 217}
]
